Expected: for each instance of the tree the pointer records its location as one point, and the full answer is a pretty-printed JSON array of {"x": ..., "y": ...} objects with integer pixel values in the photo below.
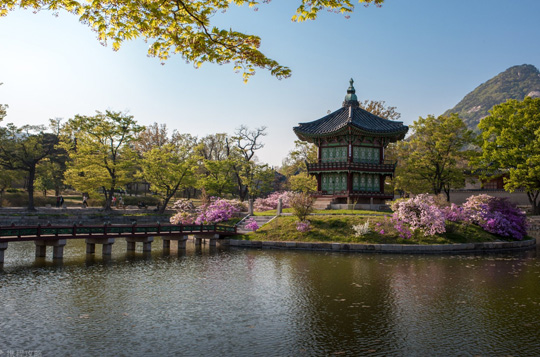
[
  {"x": 22, "y": 149},
  {"x": 154, "y": 135},
  {"x": 295, "y": 162},
  {"x": 180, "y": 27},
  {"x": 3, "y": 109},
  {"x": 169, "y": 168},
  {"x": 215, "y": 177},
  {"x": 242, "y": 153},
  {"x": 7, "y": 177},
  {"x": 432, "y": 158},
  {"x": 303, "y": 182},
  {"x": 379, "y": 108},
  {"x": 100, "y": 152},
  {"x": 510, "y": 138}
]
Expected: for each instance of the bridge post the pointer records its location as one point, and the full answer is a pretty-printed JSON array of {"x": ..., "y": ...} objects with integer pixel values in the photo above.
[
  {"x": 106, "y": 245},
  {"x": 130, "y": 246},
  {"x": 90, "y": 248},
  {"x": 57, "y": 244},
  {"x": 213, "y": 240},
  {"x": 147, "y": 246},
  {"x": 3, "y": 247},
  {"x": 41, "y": 250},
  {"x": 166, "y": 244},
  {"x": 182, "y": 242},
  {"x": 146, "y": 241}
]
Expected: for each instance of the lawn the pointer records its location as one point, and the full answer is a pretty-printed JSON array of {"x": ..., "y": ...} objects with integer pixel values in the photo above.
[{"x": 338, "y": 228}]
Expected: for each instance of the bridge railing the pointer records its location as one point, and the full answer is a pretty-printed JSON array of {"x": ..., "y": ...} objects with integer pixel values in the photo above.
[{"x": 81, "y": 231}]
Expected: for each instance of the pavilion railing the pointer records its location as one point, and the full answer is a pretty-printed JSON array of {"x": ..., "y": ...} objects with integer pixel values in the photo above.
[{"x": 387, "y": 166}]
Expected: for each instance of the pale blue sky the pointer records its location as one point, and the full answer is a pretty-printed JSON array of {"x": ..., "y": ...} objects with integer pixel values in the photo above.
[{"x": 421, "y": 56}]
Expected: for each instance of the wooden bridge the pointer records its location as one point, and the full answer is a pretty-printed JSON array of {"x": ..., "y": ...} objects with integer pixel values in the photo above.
[{"x": 56, "y": 236}]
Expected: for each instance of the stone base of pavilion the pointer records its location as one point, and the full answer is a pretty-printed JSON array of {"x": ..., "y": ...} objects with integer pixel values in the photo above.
[{"x": 361, "y": 203}]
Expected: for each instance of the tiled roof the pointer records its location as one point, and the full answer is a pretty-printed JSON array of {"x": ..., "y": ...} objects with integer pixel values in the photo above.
[{"x": 354, "y": 116}]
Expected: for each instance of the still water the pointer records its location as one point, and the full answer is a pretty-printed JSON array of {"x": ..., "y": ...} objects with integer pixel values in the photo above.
[{"x": 234, "y": 302}]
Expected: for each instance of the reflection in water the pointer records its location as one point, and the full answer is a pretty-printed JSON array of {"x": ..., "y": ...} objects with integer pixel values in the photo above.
[{"x": 215, "y": 301}]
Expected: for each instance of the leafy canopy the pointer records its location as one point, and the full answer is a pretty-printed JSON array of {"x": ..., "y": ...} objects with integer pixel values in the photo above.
[
  {"x": 180, "y": 27},
  {"x": 511, "y": 142},
  {"x": 100, "y": 151},
  {"x": 432, "y": 159}
]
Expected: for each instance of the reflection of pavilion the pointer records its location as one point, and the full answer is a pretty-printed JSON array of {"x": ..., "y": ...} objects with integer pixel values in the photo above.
[{"x": 351, "y": 144}]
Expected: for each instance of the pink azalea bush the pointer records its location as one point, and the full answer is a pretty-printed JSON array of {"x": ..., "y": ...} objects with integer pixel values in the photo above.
[
  {"x": 420, "y": 213},
  {"x": 455, "y": 213},
  {"x": 497, "y": 215},
  {"x": 218, "y": 210},
  {"x": 271, "y": 202},
  {"x": 303, "y": 226},
  {"x": 215, "y": 211},
  {"x": 251, "y": 224}
]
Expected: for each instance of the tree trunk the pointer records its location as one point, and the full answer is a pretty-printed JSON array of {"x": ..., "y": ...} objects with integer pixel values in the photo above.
[
  {"x": 108, "y": 198},
  {"x": 31, "y": 178},
  {"x": 533, "y": 196}
]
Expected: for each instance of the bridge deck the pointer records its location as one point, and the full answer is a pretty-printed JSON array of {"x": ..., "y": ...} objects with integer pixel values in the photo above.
[{"x": 32, "y": 233}]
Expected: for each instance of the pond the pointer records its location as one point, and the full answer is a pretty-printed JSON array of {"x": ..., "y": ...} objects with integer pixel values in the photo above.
[{"x": 235, "y": 302}]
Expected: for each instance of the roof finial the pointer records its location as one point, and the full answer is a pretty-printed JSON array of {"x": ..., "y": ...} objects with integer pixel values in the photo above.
[{"x": 351, "y": 99}]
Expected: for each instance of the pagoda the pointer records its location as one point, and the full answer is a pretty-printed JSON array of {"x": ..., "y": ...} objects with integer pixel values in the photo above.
[{"x": 351, "y": 143}]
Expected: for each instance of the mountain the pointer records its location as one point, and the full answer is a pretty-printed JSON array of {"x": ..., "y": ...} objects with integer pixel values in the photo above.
[{"x": 514, "y": 83}]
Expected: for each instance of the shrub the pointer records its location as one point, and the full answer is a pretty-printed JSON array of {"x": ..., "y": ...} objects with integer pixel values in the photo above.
[
  {"x": 251, "y": 224},
  {"x": 271, "y": 202},
  {"x": 302, "y": 205},
  {"x": 303, "y": 226},
  {"x": 218, "y": 210},
  {"x": 213, "y": 211},
  {"x": 361, "y": 229},
  {"x": 497, "y": 215},
  {"x": 455, "y": 213},
  {"x": 419, "y": 213}
]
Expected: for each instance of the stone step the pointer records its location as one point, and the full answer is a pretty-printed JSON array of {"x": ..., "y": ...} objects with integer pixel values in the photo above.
[{"x": 261, "y": 220}]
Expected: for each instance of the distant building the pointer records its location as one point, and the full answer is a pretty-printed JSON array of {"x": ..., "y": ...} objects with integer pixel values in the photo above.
[{"x": 351, "y": 167}]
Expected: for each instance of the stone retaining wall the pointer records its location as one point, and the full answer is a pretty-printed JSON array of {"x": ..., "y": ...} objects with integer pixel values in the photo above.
[{"x": 491, "y": 247}]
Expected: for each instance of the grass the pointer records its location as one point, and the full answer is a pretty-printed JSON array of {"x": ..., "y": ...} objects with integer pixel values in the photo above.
[
  {"x": 326, "y": 212},
  {"x": 338, "y": 228}
]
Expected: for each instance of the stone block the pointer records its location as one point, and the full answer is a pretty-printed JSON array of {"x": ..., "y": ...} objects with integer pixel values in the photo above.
[
  {"x": 391, "y": 248},
  {"x": 256, "y": 244},
  {"x": 290, "y": 245},
  {"x": 322, "y": 246},
  {"x": 303, "y": 245},
  {"x": 336, "y": 246}
]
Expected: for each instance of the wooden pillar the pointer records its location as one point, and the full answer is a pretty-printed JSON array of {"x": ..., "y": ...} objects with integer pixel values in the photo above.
[
  {"x": 319, "y": 179},
  {"x": 381, "y": 183}
]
